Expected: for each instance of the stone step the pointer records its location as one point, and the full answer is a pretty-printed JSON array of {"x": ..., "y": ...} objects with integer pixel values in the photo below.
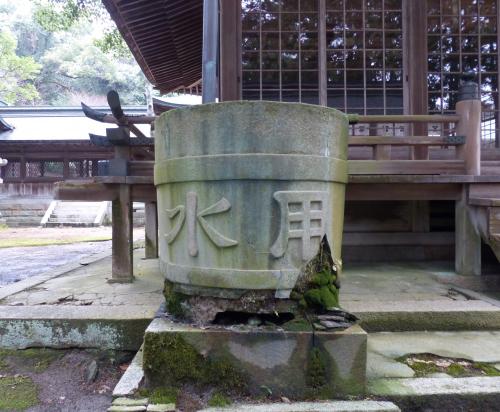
[
  {"x": 72, "y": 224},
  {"x": 440, "y": 394},
  {"x": 71, "y": 220},
  {"x": 73, "y": 215},
  {"x": 327, "y": 406}
]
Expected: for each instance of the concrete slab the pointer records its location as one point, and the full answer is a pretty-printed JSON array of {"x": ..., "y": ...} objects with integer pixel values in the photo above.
[
  {"x": 79, "y": 308},
  {"x": 380, "y": 366},
  {"x": 475, "y": 346},
  {"x": 440, "y": 394},
  {"x": 387, "y": 297},
  {"x": 430, "y": 386},
  {"x": 414, "y": 296},
  {"x": 332, "y": 406},
  {"x": 131, "y": 379}
]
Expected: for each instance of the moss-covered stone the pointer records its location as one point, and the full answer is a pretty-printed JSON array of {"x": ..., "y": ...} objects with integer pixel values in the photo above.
[
  {"x": 174, "y": 301},
  {"x": 17, "y": 393},
  {"x": 318, "y": 288},
  {"x": 316, "y": 375},
  {"x": 172, "y": 361},
  {"x": 487, "y": 369}
]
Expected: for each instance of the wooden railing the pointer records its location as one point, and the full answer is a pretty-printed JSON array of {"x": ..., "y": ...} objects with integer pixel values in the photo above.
[{"x": 462, "y": 131}]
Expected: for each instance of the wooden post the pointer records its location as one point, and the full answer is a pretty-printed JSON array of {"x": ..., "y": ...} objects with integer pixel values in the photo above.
[
  {"x": 469, "y": 109},
  {"x": 151, "y": 229},
  {"x": 415, "y": 58},
  {"x": 467, "y": 239},
  {"x": 122, "y": 243},
  {"x": 210, "y": 50},
  {"x": 230, "y": 50}
]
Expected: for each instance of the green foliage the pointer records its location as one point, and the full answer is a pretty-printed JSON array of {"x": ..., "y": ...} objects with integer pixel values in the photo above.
[
  {"x": 112, "y": 42},
  {"x": 64, "y": 52},
  {"x": 63, "y": 15},
  {"x": 16, "y": 73},
  {"x": 55, "y": 15},
  {"x": 17, "y": 393}
]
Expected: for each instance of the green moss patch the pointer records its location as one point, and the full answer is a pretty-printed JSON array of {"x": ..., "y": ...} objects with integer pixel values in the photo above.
[
  {"x": 17, "y": 393},
  {"x": 174, "y": 301},
  {"x": 159, "y": 395},
  {"x": 427, "y": 364},
  {"x": 172, "y": 362},
  {"x": 219, "y": 400},
  {"x": 318, "y": 288},
  {"x": 33, "y": 359}
]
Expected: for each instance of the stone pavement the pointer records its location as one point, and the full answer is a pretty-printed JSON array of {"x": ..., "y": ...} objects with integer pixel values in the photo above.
[
  {"x": 387, "y": 297},
  {"x": 77, "y": 307},
  {"x": 418, "y": 296}
]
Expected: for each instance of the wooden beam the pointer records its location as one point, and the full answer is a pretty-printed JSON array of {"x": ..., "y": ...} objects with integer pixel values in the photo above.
[
  {"x": 406, "y": 167},
  {"x": 403, "y": 118},
  {"x": 397, "y": 239},
  {"x": 467, "y": 239},
  {"x": 230, "y": 50},
  {"x": 122, "y": 267},
  {"x": 402, "y": 191},
  {"x": 405, "y": 140},
  {"x": 151, "y": 230}
]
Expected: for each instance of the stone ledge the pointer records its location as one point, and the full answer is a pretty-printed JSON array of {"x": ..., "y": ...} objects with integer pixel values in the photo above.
[
  {"x": 285, "y": 362},
  {"x": 332, "y": 406}
]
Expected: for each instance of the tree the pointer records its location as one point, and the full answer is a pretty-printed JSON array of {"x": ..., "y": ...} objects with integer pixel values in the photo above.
[
  {"x": 57, "y": 15},
  {"x": 17, "y": 73},
  {"x": 75, "y": 68}
]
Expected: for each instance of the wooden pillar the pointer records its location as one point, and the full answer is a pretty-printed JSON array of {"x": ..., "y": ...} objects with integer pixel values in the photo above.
[
  {"x": 415, "y": 63},
  {"x": 469, "y": 109},
  {"x": 210, "y": 50},
  {"x": 230, "y": 50},
  {"x": 467, "y": 239},
  {"x": 122, "y": 243},
  {"x": 151, "y": 229}
]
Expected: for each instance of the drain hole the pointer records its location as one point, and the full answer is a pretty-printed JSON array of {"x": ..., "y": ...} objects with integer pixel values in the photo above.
[{"x": 254, "y": 319}]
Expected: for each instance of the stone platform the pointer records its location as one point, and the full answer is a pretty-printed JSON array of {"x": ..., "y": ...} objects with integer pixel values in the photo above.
[
  {"x": 296, "y": 364},
  {"x": 77, "y": 307}
]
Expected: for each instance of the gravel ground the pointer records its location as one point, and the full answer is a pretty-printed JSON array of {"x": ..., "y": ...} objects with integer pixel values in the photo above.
[{"x": 18, "y": 263}]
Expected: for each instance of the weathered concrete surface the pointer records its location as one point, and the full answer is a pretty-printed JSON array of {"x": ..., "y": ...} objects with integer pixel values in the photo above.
[
  {"x": 477, "y": 393},
  {"x": 414, "y": 296},
  {"x": 246, "y": 191},
  {"x": 87, "y": 286},
  {"x": 380, "y": 366},
  {"x": 19, "y": 263},
  {"x": 132, "y": 377},
  {"x": 475, "y": 346},
  {"x": 285, "y": 362},
  {"x": 80, "y": 309},
  {"x": 332, "y": 406}
]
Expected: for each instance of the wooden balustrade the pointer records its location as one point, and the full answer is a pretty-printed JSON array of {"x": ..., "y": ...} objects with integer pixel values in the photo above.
[{"x": 465, "y": 138}]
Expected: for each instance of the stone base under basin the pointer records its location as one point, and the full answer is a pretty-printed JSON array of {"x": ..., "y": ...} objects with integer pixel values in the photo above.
[{"x": 256, "y": 360}]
